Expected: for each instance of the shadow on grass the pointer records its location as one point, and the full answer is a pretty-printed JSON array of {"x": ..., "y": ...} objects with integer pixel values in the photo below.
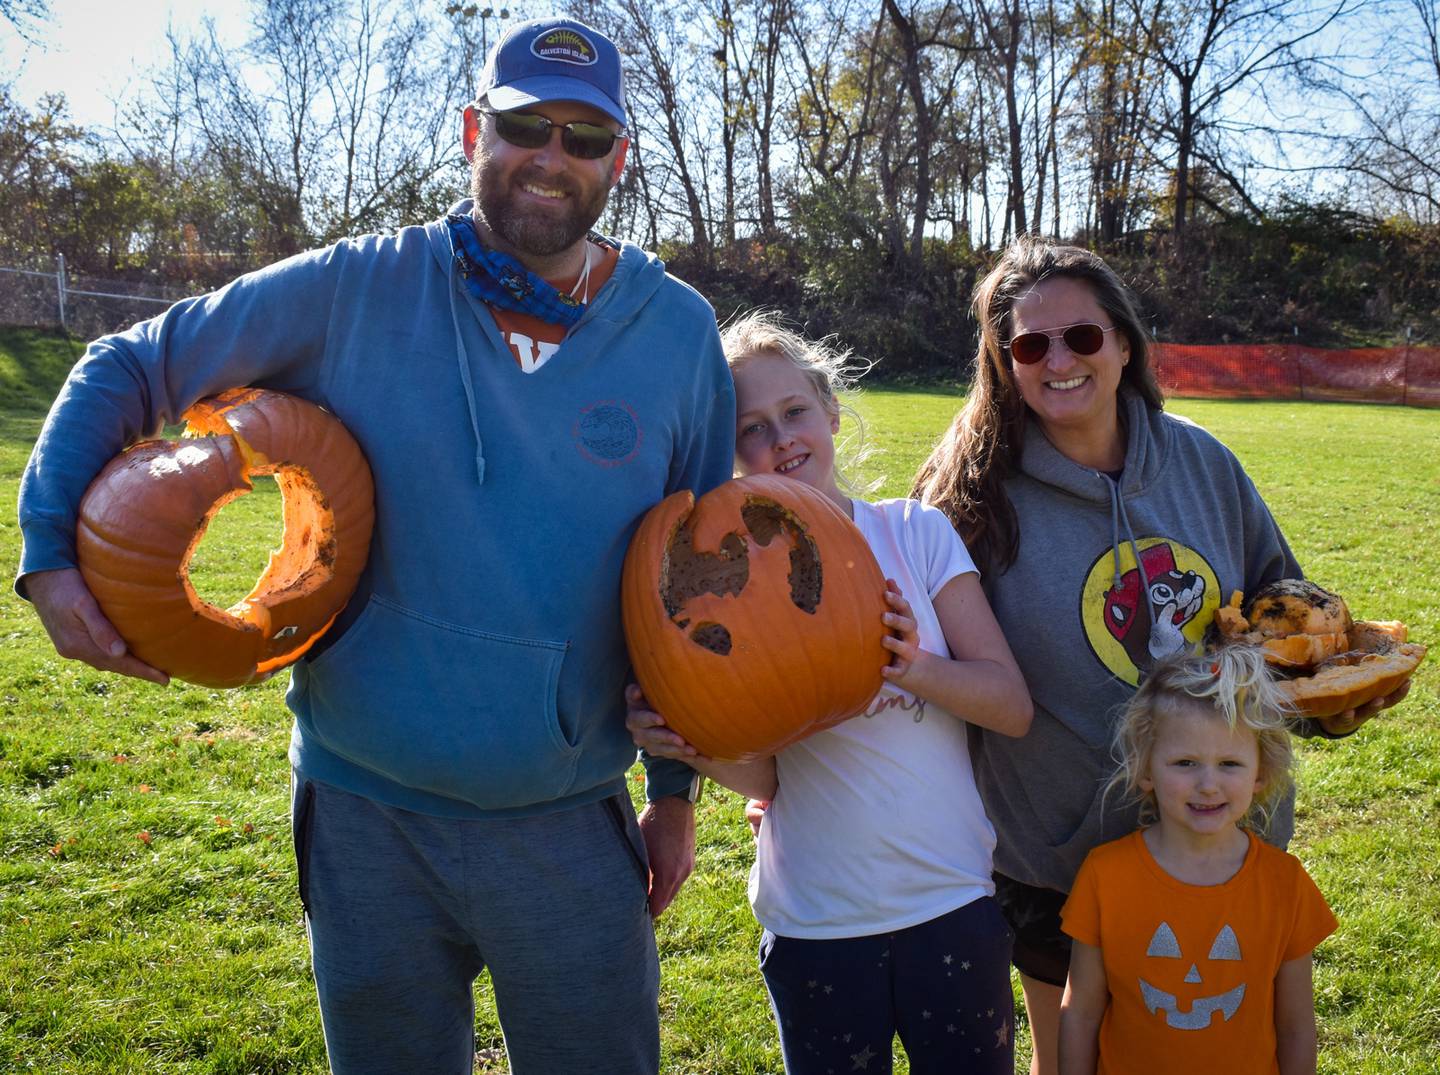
[{"x": 33, "y": 365}]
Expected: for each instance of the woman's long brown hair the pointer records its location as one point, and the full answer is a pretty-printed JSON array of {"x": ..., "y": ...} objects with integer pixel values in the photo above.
[{"x": 965, "y": 473}]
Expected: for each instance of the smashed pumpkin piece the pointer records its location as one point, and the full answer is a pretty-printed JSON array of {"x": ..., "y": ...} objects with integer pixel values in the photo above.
[
  {"x": 144, "y": 515},
  {"x": 1329, "y": 663}
]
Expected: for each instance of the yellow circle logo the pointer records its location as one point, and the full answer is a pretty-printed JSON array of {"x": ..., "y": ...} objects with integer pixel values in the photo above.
[{"x": 1135, "y": 620}]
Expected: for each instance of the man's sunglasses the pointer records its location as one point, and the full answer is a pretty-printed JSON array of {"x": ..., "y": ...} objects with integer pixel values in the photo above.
[
  {"x": 587, "y": 141},
  {"x": 1085, "y": 339}
]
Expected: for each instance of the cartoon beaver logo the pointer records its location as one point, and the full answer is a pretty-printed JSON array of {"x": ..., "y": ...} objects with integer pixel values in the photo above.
[{"x": 1151, "y": 615}]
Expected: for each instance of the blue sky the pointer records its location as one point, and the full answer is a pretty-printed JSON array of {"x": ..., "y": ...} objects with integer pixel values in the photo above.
[{"x": 95, "y": 51}]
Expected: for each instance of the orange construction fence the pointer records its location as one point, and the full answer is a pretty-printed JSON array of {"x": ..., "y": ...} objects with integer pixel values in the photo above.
[{"x": 1404, "y": 375}]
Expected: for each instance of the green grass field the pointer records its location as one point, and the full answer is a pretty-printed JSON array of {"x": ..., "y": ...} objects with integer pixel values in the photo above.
[{"x": 148, "y": 915}]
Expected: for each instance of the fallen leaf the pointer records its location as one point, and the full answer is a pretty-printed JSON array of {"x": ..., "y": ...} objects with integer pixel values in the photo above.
[
  {"x": 144, "y": 789},
  {"x": 143, "y": 836},
  {"x": 247, "y": 827},
  {"x": 118, "y": 758},
  {"x": 57, "y": 850},
  {"x": 223, "y": 822}
]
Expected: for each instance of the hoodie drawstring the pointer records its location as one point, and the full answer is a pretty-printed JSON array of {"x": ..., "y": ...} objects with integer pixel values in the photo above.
[
  {"x": 1119, "y": 515},
  {"x": 464, "y": 359}
]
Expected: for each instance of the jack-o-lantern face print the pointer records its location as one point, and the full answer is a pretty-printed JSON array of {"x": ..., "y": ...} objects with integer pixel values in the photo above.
[
  {"x": 753, "y": 617},
  {"x": 1196, "y": 989}
]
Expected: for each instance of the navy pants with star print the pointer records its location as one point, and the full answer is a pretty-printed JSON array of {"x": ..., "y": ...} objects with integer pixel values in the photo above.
[{"x": 943, "y": 986}]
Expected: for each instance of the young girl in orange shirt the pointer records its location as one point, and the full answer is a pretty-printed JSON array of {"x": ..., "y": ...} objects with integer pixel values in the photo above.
[{"x": 1193, "y": 937}]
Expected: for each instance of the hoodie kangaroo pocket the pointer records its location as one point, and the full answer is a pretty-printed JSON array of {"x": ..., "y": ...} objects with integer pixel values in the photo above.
[
  {"x": 444, "y": 708},
  {"x": 1108, "y": 817}
]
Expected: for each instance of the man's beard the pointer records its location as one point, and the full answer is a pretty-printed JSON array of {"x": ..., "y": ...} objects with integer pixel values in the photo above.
[{"x": 539, "y": 234}]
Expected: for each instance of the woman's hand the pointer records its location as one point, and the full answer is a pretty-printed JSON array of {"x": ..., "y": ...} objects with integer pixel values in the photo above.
[
  {"x": 650, "y": 732},
  {"x": 1346, "y": 722}
]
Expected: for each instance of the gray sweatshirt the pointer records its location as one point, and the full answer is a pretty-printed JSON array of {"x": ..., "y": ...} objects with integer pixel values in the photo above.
[{"x": 1084, "y": 621}]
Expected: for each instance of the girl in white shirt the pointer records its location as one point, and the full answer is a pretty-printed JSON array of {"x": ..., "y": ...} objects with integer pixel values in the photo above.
[{"x": 872, "y": 875}]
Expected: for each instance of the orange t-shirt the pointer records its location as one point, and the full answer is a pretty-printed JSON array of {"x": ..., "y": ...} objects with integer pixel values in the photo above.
[
  {"x": 1191, "y": 968},
  {"x": 533, "y": 342}
]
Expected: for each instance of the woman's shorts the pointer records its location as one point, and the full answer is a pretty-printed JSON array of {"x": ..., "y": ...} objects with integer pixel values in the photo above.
[{"x": 1042, "y": 950}]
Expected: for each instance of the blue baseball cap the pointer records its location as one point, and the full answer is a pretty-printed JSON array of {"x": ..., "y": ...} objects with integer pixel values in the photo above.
[{"x": 544, "y": 60}]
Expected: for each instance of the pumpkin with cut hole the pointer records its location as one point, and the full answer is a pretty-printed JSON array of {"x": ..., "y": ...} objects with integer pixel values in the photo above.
[
  {"x": 144, "y": 515},
  {"x": 754, "y": 616}
]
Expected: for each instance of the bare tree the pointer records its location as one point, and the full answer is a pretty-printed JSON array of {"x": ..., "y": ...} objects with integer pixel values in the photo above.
[
  {"x": 767, "y": 44},
  {"x": 1119, "y": 91},
  {"x": 661, "y": 56},
  {"x": 1004, "y": 25},
  {"x": 23, "y": 15},
  {"x": 730, "y": 88},
  {"x": 835, "y": 78},
  {"x": 1058, "y": 56},
  {"x": 1209, "y": 49},
  {"x": 336, "y": 114},
  {"x": 1393, "y": 154},
  {"x": 924, "y": 124}
]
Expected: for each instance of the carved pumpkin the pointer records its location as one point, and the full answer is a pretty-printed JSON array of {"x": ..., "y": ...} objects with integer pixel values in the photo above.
[
  {"x": 753, "y": 617},
  {"x": 145, "y": 513}
]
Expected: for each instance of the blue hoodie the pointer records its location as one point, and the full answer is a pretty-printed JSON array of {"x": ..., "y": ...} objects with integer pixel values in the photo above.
[{"x": 479, "y": 668}]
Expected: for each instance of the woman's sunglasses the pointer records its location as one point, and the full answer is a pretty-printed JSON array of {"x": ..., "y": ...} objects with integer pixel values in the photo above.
[
  {"x": 1030, "y": 347},
  {"x": 587, "y": 141}
]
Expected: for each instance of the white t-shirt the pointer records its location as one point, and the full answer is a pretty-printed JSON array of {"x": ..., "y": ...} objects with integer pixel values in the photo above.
[{"x": 877, "y": 824}]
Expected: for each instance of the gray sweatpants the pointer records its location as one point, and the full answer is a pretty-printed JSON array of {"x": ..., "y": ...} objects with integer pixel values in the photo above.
[{"x": 404, "y": 910}]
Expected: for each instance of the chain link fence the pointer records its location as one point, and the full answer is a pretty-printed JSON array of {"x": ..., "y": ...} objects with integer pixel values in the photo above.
[
  {"x": 89, "y": 306},
  {"x": 85, "y": 306}
]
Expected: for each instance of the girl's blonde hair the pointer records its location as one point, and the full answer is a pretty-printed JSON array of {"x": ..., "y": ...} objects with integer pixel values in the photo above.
[
  {"x": 1235, "y": 683},
  {"x": 830, "y": 368}
]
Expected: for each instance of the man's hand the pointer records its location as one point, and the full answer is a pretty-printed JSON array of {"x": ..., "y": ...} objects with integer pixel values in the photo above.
[
  {"x": 78, "y": 629},
  {"x": 668, "y": 826}
]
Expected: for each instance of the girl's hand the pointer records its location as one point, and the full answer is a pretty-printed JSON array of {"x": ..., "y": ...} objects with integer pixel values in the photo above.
[
  {"x": 755, "y": 813},
  {"x": 650, "y": 732},
  {"x": 904, "y": 641}
]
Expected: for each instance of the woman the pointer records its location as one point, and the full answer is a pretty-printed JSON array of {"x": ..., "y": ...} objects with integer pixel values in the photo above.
[{"x": 1107, "y": 532}]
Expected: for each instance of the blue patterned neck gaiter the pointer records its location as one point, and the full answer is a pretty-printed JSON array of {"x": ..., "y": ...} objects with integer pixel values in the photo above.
[{"x": 500, "y": 280}]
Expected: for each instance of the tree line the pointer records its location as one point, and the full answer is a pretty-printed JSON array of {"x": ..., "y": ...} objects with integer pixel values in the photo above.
[{"x": 1259, "y": 167}]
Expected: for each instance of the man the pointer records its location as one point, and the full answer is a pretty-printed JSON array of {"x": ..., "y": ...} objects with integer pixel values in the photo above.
[{"x": 524, "y": 394}]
